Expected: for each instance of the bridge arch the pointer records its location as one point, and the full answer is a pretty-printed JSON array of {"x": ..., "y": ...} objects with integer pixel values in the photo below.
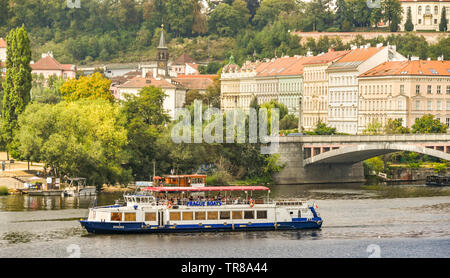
[{"x": 360, "y": 152}]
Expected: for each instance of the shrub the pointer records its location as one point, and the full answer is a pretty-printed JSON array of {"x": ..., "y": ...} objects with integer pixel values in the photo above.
[{"x": 3, "y": 190}]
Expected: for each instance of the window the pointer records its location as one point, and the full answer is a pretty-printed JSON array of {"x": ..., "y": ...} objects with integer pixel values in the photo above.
[
  {"x": 435, "y": 21},
  {"x": 420, "y": 21},
  {"x": 237, "y": 214},
  {"x": 417, "y": 89},
  {"x": 429, "y": 89},
  {"x": 448, "y": 89},
  {"x": 224, "y": 215},
  {"x": 429, "y": 105},
  {"x": 130, "y": 216},
  {"x": 438, "y": 89},
  {"x": 438, "y": 105},
  {"x": 436, "y": 10},
  {"x": 175, "y": 216},
  {"x": 150, "y": 216},
  {"x": 200, "y": 215},
  {"x": 116, "y": 216},
  {"x": 249, "y": 214},
  {"x": 402, "y": 89},
  {"x": 417, "y": 104},
  {"x": 261, "y": 214},
  {"x": 448, "y": 104},
  {"x": 427, "y": 10},
  {"x": 188, "y": 215},
  {"x": 419, "y": 11},
  {"x": 447, "y": 121}
]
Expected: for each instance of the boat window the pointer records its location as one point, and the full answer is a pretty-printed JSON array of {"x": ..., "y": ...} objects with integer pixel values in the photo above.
[
  {"x": 150, "y": 216},
  {"x": 249, "y": 214},
  {"x": 200, "y": 215},
  {"x": 175, "y": 216},
  {"x": 237, "y": 215},
  {"x": 188, "y": 215},
  {"x": 116, "y": 216},
  {"x": 130, "y": 216},
  {"x": 224, "y": 215},
  {"x": 261, "y": 214},
  {"x": 212, "y": 215}
]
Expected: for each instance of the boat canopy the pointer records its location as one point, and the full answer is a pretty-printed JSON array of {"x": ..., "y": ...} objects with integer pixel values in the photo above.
[{"x": 207, "y": 188}]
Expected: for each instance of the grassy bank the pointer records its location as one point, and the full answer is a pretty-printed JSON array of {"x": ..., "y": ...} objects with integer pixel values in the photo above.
[{"x": 387, "y": 191}]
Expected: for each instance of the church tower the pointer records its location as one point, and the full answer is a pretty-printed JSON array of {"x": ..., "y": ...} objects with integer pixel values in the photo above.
[{"x": 163, "y": 55}]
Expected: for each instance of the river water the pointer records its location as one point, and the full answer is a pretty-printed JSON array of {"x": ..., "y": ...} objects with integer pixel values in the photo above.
[{"x": 359, "y": 221}]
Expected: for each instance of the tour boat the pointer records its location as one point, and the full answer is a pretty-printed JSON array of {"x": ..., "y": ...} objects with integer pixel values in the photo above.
[{"x": 199, "y": 209}]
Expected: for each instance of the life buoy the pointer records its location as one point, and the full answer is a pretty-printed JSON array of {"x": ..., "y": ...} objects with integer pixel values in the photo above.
[
  {"x": 169, "y": 204},
  {"x": 251, "y": 203}
]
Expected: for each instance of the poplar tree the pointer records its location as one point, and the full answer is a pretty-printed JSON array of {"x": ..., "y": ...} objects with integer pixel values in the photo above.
[
  {"x": 409, "y": 26},
  {"x": 443, "y": 24},
  {"x": 17, "y": 84}
]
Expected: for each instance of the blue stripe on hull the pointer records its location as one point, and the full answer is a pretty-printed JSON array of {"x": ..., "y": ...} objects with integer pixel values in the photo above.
[{"x": 140, "y": 227}]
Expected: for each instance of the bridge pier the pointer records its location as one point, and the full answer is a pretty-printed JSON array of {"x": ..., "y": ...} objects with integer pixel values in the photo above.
[{"x": 294, "y": 172}]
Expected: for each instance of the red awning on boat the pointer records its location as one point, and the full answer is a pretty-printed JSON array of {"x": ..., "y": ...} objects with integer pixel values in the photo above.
[{"x": 207, "y": 188}]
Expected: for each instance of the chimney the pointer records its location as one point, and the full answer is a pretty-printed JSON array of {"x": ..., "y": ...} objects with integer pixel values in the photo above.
[{"x": 379, "y": 45}]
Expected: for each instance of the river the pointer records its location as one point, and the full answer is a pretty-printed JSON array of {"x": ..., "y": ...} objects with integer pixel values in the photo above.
[{"x": 359, "y": 221}]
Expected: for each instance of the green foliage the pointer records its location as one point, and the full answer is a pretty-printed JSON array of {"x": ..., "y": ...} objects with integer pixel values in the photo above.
[
  {"x": 90, "y": 87},
  {"x": 395, "y": 127},
  {"x": 145, "y": 120},
  {"x": 82, "y": 138},
  {"x": 373, "y": 128},
  {"x": 17, "y": 84},
  {"x": 427, "y": 124},
  {"x": 289, "y": 122},
  {"x": 409, "y": 26},
  {"x": 444, "y": 21},
  {"x": 323, "y": 129},
  {"x": 4, "y": 190},
  {"x": 375, "y": 164}
]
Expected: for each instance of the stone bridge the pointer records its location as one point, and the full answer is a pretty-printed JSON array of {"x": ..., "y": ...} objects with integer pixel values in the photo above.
[{"x": 338, "y": 158}]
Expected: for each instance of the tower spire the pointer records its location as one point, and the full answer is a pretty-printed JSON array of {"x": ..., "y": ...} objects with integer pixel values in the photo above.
[{"x": 162, "y": 41}]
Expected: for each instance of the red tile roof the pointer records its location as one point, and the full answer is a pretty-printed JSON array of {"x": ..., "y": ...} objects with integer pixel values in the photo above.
[
  {"x": 360, "y": 54},
  {"x": 50, "y": 63},
  {"x": 183, "y": 59},
  {"x": 279, "y": 66},
  {"x": 327, "y": 57},
  {"x": 198, "y": 82},
  {"x": 422, "y": 68},
  {"x": 140, "y": 82},
  {"x": 2, "y": 43}
]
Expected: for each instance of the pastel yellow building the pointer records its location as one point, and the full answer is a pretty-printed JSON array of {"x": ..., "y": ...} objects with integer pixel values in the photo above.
[
  {"x": 404, "y": 90},
  {"x": 315, "y": 88}
]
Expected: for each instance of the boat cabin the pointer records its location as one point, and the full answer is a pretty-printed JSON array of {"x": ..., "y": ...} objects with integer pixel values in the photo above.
[{"x": 195, "y": 180}]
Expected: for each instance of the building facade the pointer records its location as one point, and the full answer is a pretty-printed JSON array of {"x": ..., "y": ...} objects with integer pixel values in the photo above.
[
  {"x": 278, "y": 79},
  {"x": 343, "y": 90},
  {"x": 404, "y": 90},
  {"x": 2, "y": 50},
  {"x": 425, "y": 14},
  {"x": 48, "y": 66},
  {"x": 315, "y": 89}
]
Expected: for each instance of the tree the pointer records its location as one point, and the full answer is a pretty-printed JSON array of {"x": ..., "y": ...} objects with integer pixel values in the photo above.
[
  {"x": 409, "y": 26},
  {"x": 373, "y": 128},
  {"x": 91, "y": 87},
  {"x": 395, "y": 127},
  {"x": 288, "y": 122},
  {"x": 17, "y": 84},
  {"x": 341, "y": 13},
  {"x": 271, "y": 9},
  {"x": 392, "y": 10},
  {"x": 323, "y": 129},
  {"x": 83, "y": 138},
  {"x": 225, "y": 20},
  {"x": 180, "y": 17},
  {"x": 375, "y": 164},
  {"x": 444, "y": 22},
  {"x": 212, "y": 96},
  {"x": 192, "y": 95},
  {"x": 145, "y": 121},
  {"x": 427, "y": 124}
]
